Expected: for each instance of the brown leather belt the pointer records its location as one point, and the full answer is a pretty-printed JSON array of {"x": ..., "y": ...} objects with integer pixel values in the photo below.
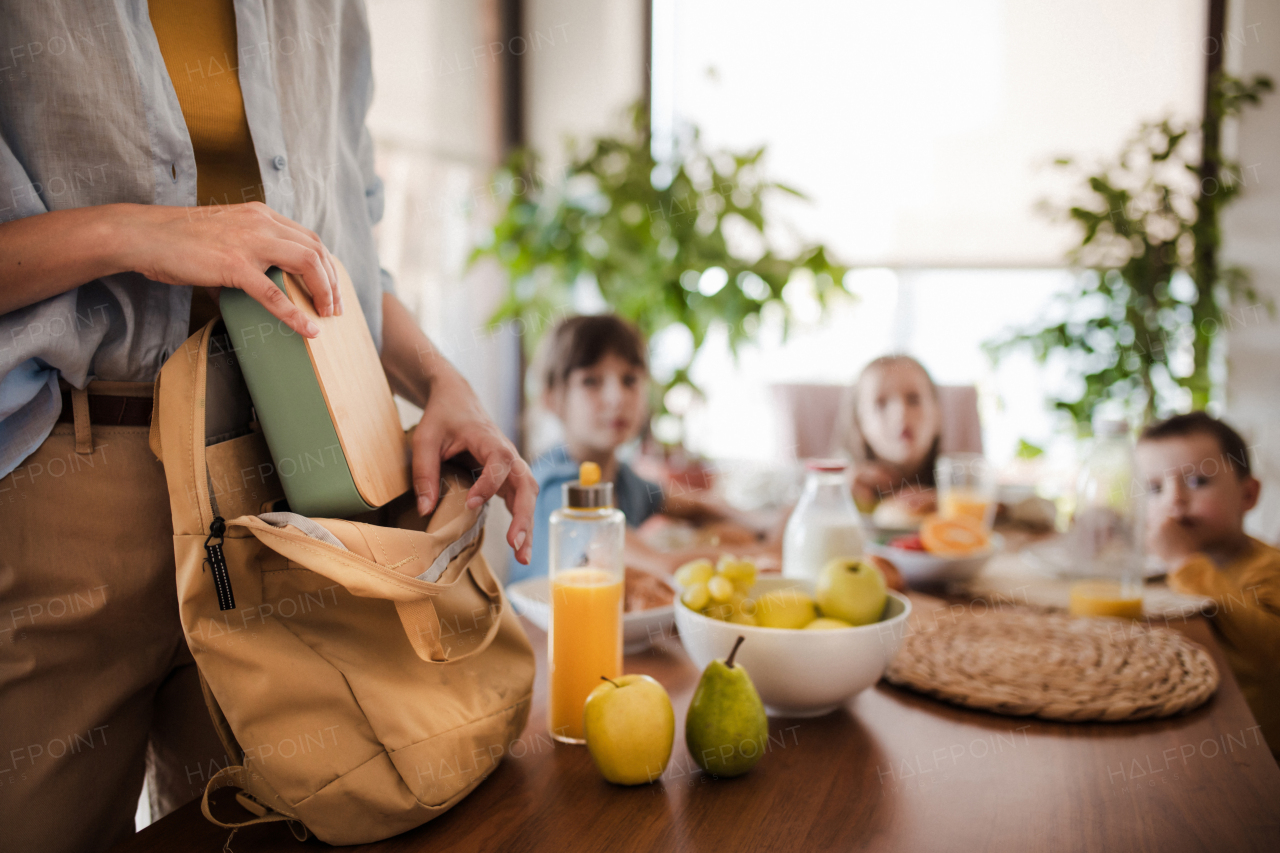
[{"x": 110, "y": 410}]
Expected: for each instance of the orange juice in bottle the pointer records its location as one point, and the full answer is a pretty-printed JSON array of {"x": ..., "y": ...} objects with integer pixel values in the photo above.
[{"x": 584, "y": 640}]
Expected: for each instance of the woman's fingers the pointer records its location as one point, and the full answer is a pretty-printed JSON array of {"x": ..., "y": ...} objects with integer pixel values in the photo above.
[
  {"x": 264, "y": 290},
  {"x": 311, "y": 239},
  {"x": 306, "y": 262},
  {"x": 503, "y": 473},
  {"x": 520, "y": 491},
  {"x": 427, "y": 452},
  {"x": 506, "y": 474},
  {"x": 498, "y": 462}
]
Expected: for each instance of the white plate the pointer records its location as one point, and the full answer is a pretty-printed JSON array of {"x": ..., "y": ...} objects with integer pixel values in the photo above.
[
  {"x": 921, "y": 567},
  {"x": 1054, "y": 558},
  {"x": 639, "y": 628}
]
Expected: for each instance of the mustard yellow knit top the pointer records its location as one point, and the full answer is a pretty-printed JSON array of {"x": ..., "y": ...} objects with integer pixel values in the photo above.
[{"x": 198, "y": 42}]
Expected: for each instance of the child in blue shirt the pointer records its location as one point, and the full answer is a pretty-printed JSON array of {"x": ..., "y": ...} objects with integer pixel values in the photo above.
[{"x": 595, "y": 379}]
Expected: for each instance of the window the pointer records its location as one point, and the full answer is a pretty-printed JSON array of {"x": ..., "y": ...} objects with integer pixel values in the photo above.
[{"x": 923, "y": 134}]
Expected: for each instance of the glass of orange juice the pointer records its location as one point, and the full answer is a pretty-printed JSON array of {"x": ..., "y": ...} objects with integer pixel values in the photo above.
[
  {"x": 966, "y": 487},
  {"x": 584, "y": 639}
]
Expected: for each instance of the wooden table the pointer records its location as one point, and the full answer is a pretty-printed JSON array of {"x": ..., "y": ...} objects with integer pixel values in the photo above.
[{"x": 890, "y": 771}]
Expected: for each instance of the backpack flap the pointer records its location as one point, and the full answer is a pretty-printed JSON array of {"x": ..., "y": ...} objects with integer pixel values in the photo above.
[{"x": 430, "y": 575}]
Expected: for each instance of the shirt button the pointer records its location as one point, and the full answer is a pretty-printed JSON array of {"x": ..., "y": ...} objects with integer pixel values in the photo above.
[{"x": 278, "y": 161}]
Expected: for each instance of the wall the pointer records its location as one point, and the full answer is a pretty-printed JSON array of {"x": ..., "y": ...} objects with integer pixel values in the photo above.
[
  {"x": 436, "y": 125},
  {"x": 1251, "y": 237},
  {"x": 587, "y": 67}
]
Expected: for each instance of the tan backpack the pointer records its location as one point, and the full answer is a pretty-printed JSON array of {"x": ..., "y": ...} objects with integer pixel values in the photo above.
[{"x": 348, "y": 665}]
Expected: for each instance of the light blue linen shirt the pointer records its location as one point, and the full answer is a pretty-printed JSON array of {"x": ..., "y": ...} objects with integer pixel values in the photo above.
[{"x": 89, "y": 116}]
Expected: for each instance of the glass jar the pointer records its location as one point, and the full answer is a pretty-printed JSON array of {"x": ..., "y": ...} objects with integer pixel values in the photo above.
[
  {"x": 825, "y": 524},
  {"x": 1106, "y": 536},
  {"x": 584, "y": 636}
]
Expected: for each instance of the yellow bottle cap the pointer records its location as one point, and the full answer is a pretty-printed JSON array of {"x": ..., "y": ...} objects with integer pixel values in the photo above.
[{"x": 588, "y": 474}]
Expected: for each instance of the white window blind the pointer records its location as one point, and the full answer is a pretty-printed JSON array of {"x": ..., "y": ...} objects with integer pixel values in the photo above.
[{"x": 923, "y": 131}]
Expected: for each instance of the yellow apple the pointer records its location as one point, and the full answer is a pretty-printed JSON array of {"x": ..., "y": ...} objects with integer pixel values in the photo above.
[
  {"x": 630, "y": 727},
  {"x": 851, "y": 590},
  {"x": 826, "y": 623},
  {"x": 785, "y": 608}
]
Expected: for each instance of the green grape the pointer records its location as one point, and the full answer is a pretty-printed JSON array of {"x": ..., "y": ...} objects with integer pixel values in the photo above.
[
  {"x": 725, "y": 561},
  {"x": 741, "y": 572},
  {"x": 696, "y": 596},
  {"x": 720, "y": 588},
  {"x": 695, "y": 572}
]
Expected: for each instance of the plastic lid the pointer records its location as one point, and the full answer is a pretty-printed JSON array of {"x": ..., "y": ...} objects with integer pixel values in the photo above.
[
  {"x": 833, "y": 465},
  {"x": 587, "y": 492}
]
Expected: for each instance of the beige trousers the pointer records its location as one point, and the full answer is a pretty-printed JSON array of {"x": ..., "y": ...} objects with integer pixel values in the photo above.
[{"x": 97, "y": 687}]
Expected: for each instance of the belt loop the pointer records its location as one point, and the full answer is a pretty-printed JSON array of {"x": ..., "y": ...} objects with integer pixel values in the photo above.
[{"x": 80, "y": 414}]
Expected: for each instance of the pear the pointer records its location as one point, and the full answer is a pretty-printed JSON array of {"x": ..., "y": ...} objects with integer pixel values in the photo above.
[{"x": 726, "y": 729}]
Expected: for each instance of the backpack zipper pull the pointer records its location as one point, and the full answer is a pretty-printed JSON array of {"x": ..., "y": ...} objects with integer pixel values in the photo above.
[{"x": 218, "y": 565}]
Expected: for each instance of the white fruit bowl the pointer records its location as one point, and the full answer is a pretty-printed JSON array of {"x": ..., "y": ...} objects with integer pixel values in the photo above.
[{"x": 799, "y": 673}]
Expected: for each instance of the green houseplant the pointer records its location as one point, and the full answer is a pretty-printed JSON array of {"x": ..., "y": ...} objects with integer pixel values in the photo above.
[
  {"x": 1140, "y": 321},
  {"x": 652, "y": 237}
]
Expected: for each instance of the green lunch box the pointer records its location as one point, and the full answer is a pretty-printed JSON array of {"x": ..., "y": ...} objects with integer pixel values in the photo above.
[{"x": 324, "y": 403}]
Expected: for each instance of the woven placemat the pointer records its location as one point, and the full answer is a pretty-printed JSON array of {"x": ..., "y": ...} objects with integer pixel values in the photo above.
[{"x": 1056, "y": 667}]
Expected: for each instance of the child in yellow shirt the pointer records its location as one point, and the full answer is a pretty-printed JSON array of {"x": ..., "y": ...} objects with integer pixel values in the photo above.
[{"x": 1200, "y": 485}]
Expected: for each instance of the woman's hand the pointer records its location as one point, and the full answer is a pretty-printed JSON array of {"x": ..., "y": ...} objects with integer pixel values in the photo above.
[
  {"x": 215, "y": 246},
  {"x": 233, "y": 246},
  {"x": 453, "y": 422}
]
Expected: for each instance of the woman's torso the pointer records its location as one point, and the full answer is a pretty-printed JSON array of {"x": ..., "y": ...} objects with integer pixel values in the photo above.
[{"x": 89, "y": 116}]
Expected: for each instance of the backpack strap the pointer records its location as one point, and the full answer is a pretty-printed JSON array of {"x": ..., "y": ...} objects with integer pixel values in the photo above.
[
  {"x": 422, "y": 623},
  {"x": 153, "y": 437},
  {"x": 237, "y": 776}
]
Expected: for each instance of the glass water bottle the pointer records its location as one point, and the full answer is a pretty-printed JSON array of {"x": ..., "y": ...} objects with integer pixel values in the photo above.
[
  {"x": 584, "y": 640},
  {"x": 1106, "y": 529},
  {"x": 825, "y": 523}
]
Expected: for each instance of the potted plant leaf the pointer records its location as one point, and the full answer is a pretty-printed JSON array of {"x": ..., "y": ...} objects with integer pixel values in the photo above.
[
  {"x": 1139, "y": 324},
  {"x": 662, "y": 241}
]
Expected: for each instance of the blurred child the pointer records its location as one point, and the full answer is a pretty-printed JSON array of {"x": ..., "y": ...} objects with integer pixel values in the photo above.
[
  {"x": 1200, "y": 485},
  {"x": 595, "y": 379},
  {"x": 890, "y": 424}
]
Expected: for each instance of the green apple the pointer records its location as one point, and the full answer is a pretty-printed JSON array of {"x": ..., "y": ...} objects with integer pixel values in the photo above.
[
  {"x": 826, "y": 623},
  {"x": 851, "y": 590},
  {"x": 630, "y": 727},
  {"x": 785, "y": 608}
]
